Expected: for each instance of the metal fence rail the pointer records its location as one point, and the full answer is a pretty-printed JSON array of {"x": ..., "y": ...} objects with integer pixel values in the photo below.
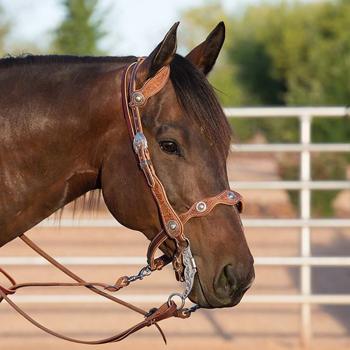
[
  {"x": 141, "y": 260},
  {"x": 305, "y": 147},
  {"x": 247, "y": 222},
  {"x": 305, "y": 261}
]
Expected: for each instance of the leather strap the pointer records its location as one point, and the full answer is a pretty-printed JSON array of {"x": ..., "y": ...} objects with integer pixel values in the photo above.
[
  {"x": 150, "y": 88},
  {"x": 132, "y": 116},
  {"x": 4, "y": 292},
  {"x": 165, "y": 311},
  {"x": 227, "y": 197}
]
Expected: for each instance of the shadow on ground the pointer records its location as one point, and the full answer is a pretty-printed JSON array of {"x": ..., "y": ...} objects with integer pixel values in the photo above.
[{"x": 331, "y": 280}]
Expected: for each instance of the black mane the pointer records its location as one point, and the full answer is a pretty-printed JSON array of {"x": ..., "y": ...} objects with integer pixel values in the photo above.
[
  {"x": 197, "y": 97},
  {"x": 28, "y": 59}
]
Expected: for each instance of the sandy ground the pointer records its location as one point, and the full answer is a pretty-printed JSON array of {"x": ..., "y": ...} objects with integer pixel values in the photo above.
[{"x": 247, "y": 326}]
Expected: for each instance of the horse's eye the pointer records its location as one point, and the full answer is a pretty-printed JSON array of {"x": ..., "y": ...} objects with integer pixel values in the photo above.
[{"x": 170, "y": 147}]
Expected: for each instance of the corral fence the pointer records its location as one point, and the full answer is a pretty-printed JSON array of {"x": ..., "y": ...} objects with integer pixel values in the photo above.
[{"x": 305, "y": 223}]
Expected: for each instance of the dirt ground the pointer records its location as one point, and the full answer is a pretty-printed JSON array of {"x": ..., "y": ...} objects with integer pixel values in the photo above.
[{"x": 245, "y": 327}]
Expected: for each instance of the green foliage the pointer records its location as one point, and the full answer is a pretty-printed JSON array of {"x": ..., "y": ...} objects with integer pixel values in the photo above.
[
  {"x": 274, "y": 130},
  {"x": 81, "y": 30},
  {"x": 4, "y": 29},
  {"x": 326, "y": 166},
  {"x": 200, "y": 21},
  {"x": 295, "y": 54}
]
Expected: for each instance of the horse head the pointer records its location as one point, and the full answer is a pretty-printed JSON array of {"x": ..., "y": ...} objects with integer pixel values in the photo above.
[{"x": 188, "y": 140}]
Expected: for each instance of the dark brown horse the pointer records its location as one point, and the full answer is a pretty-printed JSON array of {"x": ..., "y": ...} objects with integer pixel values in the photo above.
[{"x": 63, "y": 134}]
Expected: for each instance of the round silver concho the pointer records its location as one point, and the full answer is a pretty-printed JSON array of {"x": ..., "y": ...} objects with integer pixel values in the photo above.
[
  {"x": 138, "y": 98},
  {"x": 231, "y": 195},
  {"x": 172, "y": 225},
  {"x": 201, "y": 206}
]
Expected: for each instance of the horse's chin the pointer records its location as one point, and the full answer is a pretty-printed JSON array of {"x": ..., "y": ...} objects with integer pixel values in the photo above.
[{"x": 197, "y": 295}]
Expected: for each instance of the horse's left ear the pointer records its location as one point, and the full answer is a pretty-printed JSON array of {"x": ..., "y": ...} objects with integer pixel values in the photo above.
[
  {"x": 205, "y": 54},
  {"x": 161, "y": 56}
]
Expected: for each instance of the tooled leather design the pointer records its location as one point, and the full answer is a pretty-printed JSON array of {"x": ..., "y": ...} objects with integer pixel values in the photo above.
[
  {"x": 166, "y": 211},
  {"x": 211, "y": 203},
  {"x": 147, "y": 166},
  {"x": 151, "y": 87}
]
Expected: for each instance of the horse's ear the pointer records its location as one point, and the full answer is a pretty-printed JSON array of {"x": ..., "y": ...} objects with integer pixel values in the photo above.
[
  {"x": 205, "y": 54},
  {"x": 161, "y": 56}
]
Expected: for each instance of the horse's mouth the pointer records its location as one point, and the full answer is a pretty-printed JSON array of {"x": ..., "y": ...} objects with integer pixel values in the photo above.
[{"x": 197, "y": 295}]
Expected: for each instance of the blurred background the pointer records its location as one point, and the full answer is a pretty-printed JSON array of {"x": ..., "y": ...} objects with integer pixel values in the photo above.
[{"x": 284, "y": 78}]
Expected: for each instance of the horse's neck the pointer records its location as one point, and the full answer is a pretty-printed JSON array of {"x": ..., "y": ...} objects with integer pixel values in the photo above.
[{"x": 50, "y": 153}]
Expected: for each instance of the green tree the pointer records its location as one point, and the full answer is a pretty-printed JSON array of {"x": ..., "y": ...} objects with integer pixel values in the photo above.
[
  {"x": 295, "y": 53},
  {"x": 81, "y": 30},
  {"x": 4, "y": 29},
  {"x": 199, "y": 22}
]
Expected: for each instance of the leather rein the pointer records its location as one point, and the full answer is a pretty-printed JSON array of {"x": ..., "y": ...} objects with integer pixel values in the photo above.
[{"x": 133, "y": 100}]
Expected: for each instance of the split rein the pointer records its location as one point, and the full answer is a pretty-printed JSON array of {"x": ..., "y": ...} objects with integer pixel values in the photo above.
[{"x": 173, "y": 227}]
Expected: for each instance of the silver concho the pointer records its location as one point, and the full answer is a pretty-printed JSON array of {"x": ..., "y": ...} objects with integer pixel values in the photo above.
[
  {"x": 172, "y": 225},
  {"x": 231, "y": 195},
  {"x": 137, "y": 98},
  {"x": 201, "y": 206},
  {"x": 140, "y": 142}
]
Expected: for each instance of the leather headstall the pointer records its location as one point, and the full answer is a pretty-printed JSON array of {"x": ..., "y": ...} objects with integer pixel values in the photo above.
[{"x": 172, "y": 223}]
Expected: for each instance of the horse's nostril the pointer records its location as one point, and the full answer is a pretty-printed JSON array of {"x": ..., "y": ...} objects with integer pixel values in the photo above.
[
  {"x": 230, "y": 277},
  {"x": 232, "y": 282},
  {"x": 226, "y": 284}
]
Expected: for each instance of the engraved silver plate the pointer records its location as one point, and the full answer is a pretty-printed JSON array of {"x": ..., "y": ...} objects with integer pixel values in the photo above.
[
  {"x": 140, "y": 142},
  {"x": 190, "y": 270},
  {"x": 189, "y": 273}
]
